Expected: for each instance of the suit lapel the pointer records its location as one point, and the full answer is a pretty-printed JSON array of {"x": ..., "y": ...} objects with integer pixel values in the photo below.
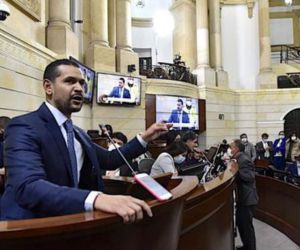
[{"x": 54, "y": 130}]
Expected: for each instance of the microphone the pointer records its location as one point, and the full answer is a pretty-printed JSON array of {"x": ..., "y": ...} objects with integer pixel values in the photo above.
[{"x": 103, "y": 128}]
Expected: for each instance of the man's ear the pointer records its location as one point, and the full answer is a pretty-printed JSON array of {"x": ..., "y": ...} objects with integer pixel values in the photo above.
[{"x": 48, "y": 87}]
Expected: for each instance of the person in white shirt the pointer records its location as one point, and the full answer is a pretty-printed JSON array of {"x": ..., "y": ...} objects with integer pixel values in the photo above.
[{"x": 165, "y": 163}]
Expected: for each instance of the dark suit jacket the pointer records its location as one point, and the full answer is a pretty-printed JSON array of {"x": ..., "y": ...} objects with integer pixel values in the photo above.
[
  {"x": 115, "y": 93},
  {"x": 175, "y": 119},
  {"x": 292, "y": 168},
  {"x": 260, "y": 150},
  {"x": 245, "y": 180},
  {"x": 39, "y": 182}
]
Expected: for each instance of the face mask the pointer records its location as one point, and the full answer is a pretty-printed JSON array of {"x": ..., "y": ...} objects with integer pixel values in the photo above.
[
  {"x": 244, "y": 140},
  {"x": 179, "y": 159},
  {"x": 265, "y": 140},
  {"x": 111, "y": 146},
  {"x": 229, "y": 152},
  {"x": 294, "y": 138},
  {"x": 281, "y": 136}
]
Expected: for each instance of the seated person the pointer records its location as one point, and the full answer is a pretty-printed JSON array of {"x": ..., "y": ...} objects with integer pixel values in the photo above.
[
  {"x": 120, "y": 91},
  {"x": 165, "y": 162},
  {"x": 119, "y": 140},
  {"x": 190, "y": 138}
]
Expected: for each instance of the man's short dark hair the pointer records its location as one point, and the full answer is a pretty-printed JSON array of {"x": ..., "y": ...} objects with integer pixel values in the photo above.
[
  {"x": 120, "y": 136},
  {"x": 238, "y": 143},
  {"x": 51, "y": 71},
  {"x": 264, "y": 135},
  {"x": 189, "y": 135},
  {"x": 122, "y": 79},
  {"x": 243, "y": 135},
  {"x": 180, "y": 100}
]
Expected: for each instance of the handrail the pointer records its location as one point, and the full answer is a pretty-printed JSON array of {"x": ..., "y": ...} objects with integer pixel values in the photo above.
[
  {"x": 170, "y": 71},
  {"x": 288, "y": 53}
]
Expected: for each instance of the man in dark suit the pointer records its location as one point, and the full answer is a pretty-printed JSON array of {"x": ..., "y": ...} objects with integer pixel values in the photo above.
[
  {"x": 179, "y": 115},
  {"x": 246, "y": 195},
  {"x": 120, "y": 91},
  {"x": 264, "y": 148},
  {"x": 53, "y": 165}
]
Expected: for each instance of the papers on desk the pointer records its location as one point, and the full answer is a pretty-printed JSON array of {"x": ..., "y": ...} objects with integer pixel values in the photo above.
[{"x": 118, "y": 100}]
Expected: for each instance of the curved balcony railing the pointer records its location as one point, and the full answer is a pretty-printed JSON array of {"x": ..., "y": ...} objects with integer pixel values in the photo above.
[{"x": 177, "y": 72}]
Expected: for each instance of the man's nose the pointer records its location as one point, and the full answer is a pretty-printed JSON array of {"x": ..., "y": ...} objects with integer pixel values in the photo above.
[{"x": 79, "y": 86}]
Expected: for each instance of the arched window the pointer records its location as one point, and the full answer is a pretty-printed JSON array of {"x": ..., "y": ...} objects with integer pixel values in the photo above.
[{"x": 292, "y": 122}]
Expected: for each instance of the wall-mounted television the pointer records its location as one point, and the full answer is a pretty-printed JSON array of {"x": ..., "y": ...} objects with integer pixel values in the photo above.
[
  {"x": 118, "y": 89},
  {"x": 89, "y": 77},
  {"x": 182, "y": 112},
  {"x": 185, "y": 113}
]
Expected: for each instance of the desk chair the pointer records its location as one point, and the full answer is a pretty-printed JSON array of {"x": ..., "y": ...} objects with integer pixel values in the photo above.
[{"x": 145, "y": 165}]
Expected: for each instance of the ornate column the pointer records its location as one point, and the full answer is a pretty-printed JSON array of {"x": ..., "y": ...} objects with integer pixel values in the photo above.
[
  {"x": 99, "y": 55},
  {"x": 60, "y": 37},
  {"x": 205, "y": 75},
  {"x": 216, "y": 43},
  {"x": 125, "y": 54},
  {"x": 112, "y": 23},
  {"x": 184, "y": 34},
  {"x": 266, "y": 77}
]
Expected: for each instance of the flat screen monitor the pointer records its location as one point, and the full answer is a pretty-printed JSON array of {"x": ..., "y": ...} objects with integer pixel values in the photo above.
[
  {"x": 89, "y": 77},
  {"x": 118, "y": 89},
  {"x": 182, "y": 112}
]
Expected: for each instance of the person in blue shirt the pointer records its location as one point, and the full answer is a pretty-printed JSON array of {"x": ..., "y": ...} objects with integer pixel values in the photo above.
[{"x": 279, "y": 151}]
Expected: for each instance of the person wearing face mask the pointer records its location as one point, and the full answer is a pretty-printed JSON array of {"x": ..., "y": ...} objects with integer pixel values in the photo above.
[
  {"x": 249, "y": 147},
  {"x": 165, "y": 162},
  {"x": 246, "y": 195},
  {"x": 292, "y": 148},
  {"x": 264, "y": 148},
  {"x": 119, "y": 139},
  {"x": 191, "y": 110},
  {"x": 133, "y": 89},
  {"x": 190, "y": 138},
  {"x": 279, "y": 151}
]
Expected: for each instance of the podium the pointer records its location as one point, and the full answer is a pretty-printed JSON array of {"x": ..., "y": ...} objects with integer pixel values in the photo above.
[{"x": 98, "y": 230}]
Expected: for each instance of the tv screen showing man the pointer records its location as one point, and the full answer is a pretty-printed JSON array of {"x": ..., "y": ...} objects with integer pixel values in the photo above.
[
  {"x": 178, "y": 115},
  {"x": 182, "y": 112},
  {"x": 118, "y": 89}
]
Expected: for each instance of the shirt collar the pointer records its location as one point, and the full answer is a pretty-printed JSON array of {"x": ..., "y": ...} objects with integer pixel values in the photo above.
[{"x": 59, "y": 116}]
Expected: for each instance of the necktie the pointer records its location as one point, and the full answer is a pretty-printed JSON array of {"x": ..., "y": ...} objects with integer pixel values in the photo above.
[{"x": 70, "y": 143}]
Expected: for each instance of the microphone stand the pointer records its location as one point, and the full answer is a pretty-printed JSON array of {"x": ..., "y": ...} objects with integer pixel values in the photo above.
[
  {"x": 118, "y": 150},
  {"x": 208, "y": 175}
]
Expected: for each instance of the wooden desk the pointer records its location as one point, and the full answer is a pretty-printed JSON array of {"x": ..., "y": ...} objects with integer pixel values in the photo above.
[
  {"x": 208, "y": 216},
  {"x": 279, "y": 206},
  {"x": 199, "y": 218},
  {"x": 97, "y": 230}
]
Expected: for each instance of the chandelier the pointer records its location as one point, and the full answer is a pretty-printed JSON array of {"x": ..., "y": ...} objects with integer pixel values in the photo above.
[
  {"x": 140, "y": 3},
  {"x": 288, "y": 2}
]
